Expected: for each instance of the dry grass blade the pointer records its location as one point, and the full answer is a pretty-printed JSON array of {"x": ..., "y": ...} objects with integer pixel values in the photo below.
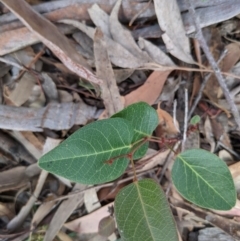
[
  {"x": 52, "y": 38},
  {"x": 109, "y": 89},
  {"x": 169, "y": 19}
]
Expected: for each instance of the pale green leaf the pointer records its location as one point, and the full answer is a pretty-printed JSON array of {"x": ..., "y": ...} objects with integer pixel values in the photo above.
[
  {"x": 204, "y": 179},
  {"x": 84, "y": 156},
  {"x": 195, "y": 120},
  {"x": 143, "y": 214}
]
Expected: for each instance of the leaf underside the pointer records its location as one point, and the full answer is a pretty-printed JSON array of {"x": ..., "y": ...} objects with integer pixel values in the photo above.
[
  {"x": 143, "y": 214},
  {"x": 204, "y": 179}
]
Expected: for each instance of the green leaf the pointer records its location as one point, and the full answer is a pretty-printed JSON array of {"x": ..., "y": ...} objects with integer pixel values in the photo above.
[
  {"x": 142, "y": 213},
  {"x": 195, "y": 120},
  {"x": 83, "y": 156},
  {"x": 204, "y": 179},
  {"x": 144, "y": 120}
]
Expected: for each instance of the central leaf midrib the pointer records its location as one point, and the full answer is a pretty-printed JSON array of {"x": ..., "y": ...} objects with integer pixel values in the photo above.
[
  {"x": 189, "y": 166},
  {"x": 144, "y": 211},
  {"x": 98, "y": 153}
]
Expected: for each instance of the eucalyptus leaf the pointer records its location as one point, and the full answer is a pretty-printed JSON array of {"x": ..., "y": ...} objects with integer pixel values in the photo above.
[
  {"x": 204, "y": 179},
  {"x": 144, "y": 120},
  {"x": 86, "y": 155},
  {"x": 142, "y": 213}
]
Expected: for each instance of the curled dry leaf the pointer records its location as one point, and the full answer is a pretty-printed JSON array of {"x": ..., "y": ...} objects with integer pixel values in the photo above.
[
  {"x": 166, "y": 125},
  {"x": 109, "y": 90},
  {"x": 52, "y": 38},
  {"x": 174, "y": 36},
  {"x": 150, "y": 90}
]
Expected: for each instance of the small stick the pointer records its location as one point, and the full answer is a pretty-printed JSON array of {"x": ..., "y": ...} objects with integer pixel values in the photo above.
[
  {"x": 185, "y": 120},
  {"x": 200, "y": 92},
  {"x": 212, "y": 62}
]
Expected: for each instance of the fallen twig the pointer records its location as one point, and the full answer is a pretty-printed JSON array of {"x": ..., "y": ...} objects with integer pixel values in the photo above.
[{"x": 212, "y": 62}]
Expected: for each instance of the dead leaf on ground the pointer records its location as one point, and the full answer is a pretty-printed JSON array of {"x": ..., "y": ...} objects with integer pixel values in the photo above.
[
  {"x": 150, "y": 90},
  {"x": 118, "y": 55},
  {"x": 13, "y": 179},
  {"x": 109, "y": 90},
  {"x": 23, "y": 90},
  {"x": 100, "y": 19},
  {"x": 64, "y": 211},
  {"x": 123, "y": 36},
  {"x": 51, "y": 37},
  {"x": 209, "y": 134},
  {"x": 166, "y": 127},
  {"x": 90, "y": 222},
  {"x": 174, "y": 36},
  {"x": 156, "y": 53}
]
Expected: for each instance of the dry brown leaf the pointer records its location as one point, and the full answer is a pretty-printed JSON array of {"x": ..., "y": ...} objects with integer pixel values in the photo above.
[
  {"x": 23, "y": 90},
  {"x": 42, "y": 211},
  {"x": 123, "y": 36},
  {"x": 156, "y": 53},
  {"x": 174, "y": 36},
  {"x": 118, "y": 55},
  {"x": 100, "y": 19},
  {"x": 91, "y": 201},
  {"x": 109, "y": 90},
  {"x": 232, "y": 57},
  {"x": 195, "y": 89},
  {"x": 166, "y": 125},
  {"x": 52, "y": 38},
  {"x": 13, "y": 179},
  {"x": 150, "y": 90},
  {"x": 17, "y": 221},
  {"x": 14, "y": 149},
  {"x": 64, "y": 211},
  {"x": 90, "y": 222},
  {"x": 209, "y": 134},
  {"x": 156, "y": 159}
]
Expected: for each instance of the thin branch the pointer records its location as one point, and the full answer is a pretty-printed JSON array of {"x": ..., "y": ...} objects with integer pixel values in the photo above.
[
  {"x": 185, "y": 119},
  {"x": 212, "y": 62},
  {"x": 200, "y": 92}
]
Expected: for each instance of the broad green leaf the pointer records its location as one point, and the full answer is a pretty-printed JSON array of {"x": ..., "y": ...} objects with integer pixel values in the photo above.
[
  {"x": 204, "y": 179},
  {"x": 84, "y": 156},
  {"x": 144, "y": 120},
  {"x": 142, "y": 213}
]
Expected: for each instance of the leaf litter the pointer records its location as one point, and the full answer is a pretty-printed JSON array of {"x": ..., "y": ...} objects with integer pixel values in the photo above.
[{"x": 71, "y": 81}]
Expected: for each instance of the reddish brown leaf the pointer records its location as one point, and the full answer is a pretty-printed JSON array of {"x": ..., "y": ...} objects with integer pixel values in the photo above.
[{"x": 150, "y": 90}]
